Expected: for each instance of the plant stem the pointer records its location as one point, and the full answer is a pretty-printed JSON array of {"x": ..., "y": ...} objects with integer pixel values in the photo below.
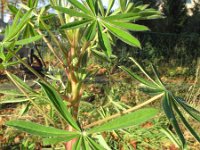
[{"x": 124, "y": 112}]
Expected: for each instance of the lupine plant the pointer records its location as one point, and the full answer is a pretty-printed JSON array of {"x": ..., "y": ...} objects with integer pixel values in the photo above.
[{"x": 87, "y": 28}]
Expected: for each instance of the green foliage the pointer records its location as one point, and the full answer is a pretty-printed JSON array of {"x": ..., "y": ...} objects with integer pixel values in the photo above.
[
  {"x": 170, "y": 103},
  {"x": 87, "y": 27}
]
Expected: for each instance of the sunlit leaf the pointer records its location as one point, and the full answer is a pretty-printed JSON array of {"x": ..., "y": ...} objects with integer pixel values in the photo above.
[
  {"x": 123, "y": 35},
  {"x": 76, "y": 24},
  {"x": 129, "y": 26},
  {"x": 123, "y": 4},
  {"x": 80, "y": 6},
  {"x": 28, "y": 40},
  {"x": 37, "y": 129},
  {"x": 71, "y": 12},
  {"x": 13, "y": 9},
  {"x": 127, "y": 17},
  {"x": 125, "y": 121},
  {"x": 55, "y": 140},
  {"x": 110, "y": 5},
  {"x": 91, "y": 4}
]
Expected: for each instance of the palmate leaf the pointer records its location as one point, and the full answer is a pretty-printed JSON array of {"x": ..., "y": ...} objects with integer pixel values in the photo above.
[
  {"x": 37, "y": 129},
  {"x": 134, "y": 118},
  {"x": 56, "y": 100},
  {"x": 76, "y": 24},
  {"x": 167, "y": 107},
  {"x": 123, "y": 35}
]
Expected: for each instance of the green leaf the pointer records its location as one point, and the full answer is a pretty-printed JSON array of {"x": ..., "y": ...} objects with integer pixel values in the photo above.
[
  {"x": 55, "y": 140},
  {"x": 46, "y": 17},
  {"x": 79, "y": 6},
  {"x": 12, "y": 101},
  {"x": 17, "y": 25},
  {"x": 129, "y": 26},
  {"x": 28, "y": 40},
  {"x": 85, "y": 144},
  {"x": 110, "y": 5},
  {"x": 95, "y": 145},
  {"x": 123, "y": 35},
  {"x": 102, "y": 55},
  {"x": 127, "y": 17},
  {"x": 101, "y": 7},
  {"x": 37, "y": 129},
  {"x": 71, "y": 12},
  {"x": 21, "y": 83},
  {"x": 151, "y": 91},
  {"x": 170, "y": 115},
  {"x": 171, "y": 136},
  {"x": 104, "y": 41},
  {"x": 91, "y": 31},
  {"x": 138, "y": 78},
  {"x": 125, "y": 121},
  {"x": 11, "y": 92},
  {"x": 185, "y": 122},
  {"x": 13, "y": 9},
  {"x": 123, "y": 4},
  {"x": 78, "y": 143},
  {"x": 91, "y": 4},
  {"x": 76, "y": 24},
  {"x": 102, "y": 141},
  {"x": 190, "y": 110},
  {"x": 157, "y": 78},
  {"x": 60, "y": 106}
]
